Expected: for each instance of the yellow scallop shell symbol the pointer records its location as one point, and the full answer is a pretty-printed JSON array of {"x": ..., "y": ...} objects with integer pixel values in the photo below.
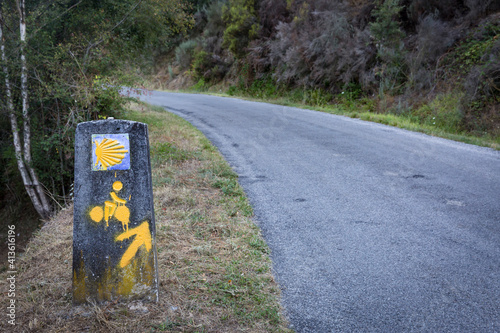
[{"x": 109, "y": 152}]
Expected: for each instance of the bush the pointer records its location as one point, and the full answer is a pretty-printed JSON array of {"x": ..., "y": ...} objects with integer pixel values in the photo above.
[
  {"x": 106, "y": 98},
  {"x": 390, "y": 47},
  {"x": 482, "y": 99},
  {"x": 184, "y": 53},
  {"x": 444, "y": 112},
  {"x": 242, "y": 25},
  {"x": 321, "y": 49},
  {"x": 215, "y": 23},
  {"x": 264, "y": 88},
  {"x": 478, "y": 8},
  {"x": 209, "y": 66},
  {"x": 214, "y": 29},
  {"x": 475, "y": 61},
  {"x": 434, "y": 38}
]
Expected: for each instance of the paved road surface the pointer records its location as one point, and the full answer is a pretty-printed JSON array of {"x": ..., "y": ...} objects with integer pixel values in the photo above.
[{"x": 371, "y": 228}]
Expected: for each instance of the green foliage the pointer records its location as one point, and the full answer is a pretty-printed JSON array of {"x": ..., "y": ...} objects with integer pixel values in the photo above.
[
  {"x": 229, "y": 186},
  {"x": 261, "y": 88},
  {"x": 208, "y": 67},
  {"x": 201, "y": 63},
  {"x": 76, "y": 53},
  {"x": 201, "y": 85},
  {"x": 349, "y": 96},
  {"x": 385, "y": 29},
  {"x": 184, "y": 53},
  {"x": 479, "y": 57},
  {"x": 152, "y": 27},
  {"x": 317, "y": 97},
  {"x": 258, "y": 244},
  {"x": 215, "y": 23},
  {"x": 106, "y": 98},
  {"x": 443, "y": 112},
  {"x": 389, "y": 42},
  {"x": 242, "y": 25},
  {"x": 199, "y": 4},
  {"x": 474, "y": 50}
]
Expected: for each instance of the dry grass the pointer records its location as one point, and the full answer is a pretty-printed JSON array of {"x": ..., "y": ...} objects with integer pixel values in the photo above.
[{"x": 214, "y": 270}]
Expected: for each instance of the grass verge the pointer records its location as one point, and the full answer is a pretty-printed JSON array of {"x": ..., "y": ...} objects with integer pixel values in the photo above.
[
  {"x": 435, "y": 118},
  {"x": 214, "y": 267}
]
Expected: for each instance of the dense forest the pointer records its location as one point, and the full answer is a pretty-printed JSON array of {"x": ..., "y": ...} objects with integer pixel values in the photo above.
[{"x": 437, "y": 62}]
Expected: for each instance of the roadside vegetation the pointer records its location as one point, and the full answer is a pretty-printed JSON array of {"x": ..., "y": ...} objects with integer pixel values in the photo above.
[
  {"x": 214, "y": 267},
  {"x": 437, "y": 120},
  {"x": 424, "y": 65},
  {"x": 61, "y": 63}
]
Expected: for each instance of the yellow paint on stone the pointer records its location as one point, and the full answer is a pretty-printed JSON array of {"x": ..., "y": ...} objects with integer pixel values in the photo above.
[
  {"x": 109, "y": 211},
  {"x": 105, "y": 286},
  {"x": 137, "y": 276},
  {"x": 79, "y": 287},
  {"x": 115, "y": 208},
  {"x": 116, "y": 199},
  {"x": 96, "y": 214},
  {"x": 122, "y": 214},
  {"x": 128, "y": 279},
  {"x": 117, "y": 186},
  {"x": 142, "y": 237}
]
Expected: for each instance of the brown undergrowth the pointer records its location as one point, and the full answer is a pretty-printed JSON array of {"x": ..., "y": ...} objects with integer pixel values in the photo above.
[{"x": 214, "y": 267}]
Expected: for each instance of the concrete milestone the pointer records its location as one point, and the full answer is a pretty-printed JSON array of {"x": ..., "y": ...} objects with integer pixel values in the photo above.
[{"x": 114, "y": 249}]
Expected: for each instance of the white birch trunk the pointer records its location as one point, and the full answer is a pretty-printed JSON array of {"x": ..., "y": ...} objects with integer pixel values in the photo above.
[
  {"x": 26, "y": 119},
  {"x": 13, "y": 123},
  {"x": 30, "y": 180}
]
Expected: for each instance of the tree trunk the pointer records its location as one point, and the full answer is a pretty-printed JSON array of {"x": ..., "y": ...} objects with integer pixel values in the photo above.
[
  {"x": 26, "y": 120},
  {"x": 23, "y": 150}
]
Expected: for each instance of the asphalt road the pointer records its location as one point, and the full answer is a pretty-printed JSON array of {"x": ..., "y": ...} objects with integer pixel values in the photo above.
[{"x": 371, "y": 228}]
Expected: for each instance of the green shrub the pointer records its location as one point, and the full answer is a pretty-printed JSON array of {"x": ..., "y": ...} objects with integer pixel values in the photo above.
[
  {"x": 263, "y": 88},
  {"x": 443, "y": 112},
  {"x": 475, "y": 67},
  {"x": 184, "y": 53},
  {"x": 390, "y": 47},
  {"x": 232, "y": 91},
  {"x": 209, "y": 67},
  {"x": 106, "y": 99},
  {"x": 201, "y": 85},
  {"x": 201, "y": 63},
  {"x": 242, "y": 25},
  {"x": 317, "y": 97}
]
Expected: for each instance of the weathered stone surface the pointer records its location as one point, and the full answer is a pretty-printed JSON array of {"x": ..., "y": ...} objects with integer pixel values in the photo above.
[{"x": 114, "y": 250}]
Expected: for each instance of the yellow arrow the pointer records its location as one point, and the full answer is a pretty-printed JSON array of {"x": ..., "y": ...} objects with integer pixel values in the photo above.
[{"x": 143, "y": 237}]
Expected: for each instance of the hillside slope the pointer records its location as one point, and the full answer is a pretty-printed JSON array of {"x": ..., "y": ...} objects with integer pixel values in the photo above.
[{"x": 435, "y": 62}]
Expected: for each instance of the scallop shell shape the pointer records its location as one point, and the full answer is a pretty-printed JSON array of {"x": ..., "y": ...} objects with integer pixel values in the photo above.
[{"x": 109, "y": 152}]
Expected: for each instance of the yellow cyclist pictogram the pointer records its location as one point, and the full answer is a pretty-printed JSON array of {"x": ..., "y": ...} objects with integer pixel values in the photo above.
[{"x": 115, "y": 208}]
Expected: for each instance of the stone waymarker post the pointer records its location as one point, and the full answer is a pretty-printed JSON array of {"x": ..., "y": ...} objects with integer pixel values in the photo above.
[{"x": 114, "y": 250}]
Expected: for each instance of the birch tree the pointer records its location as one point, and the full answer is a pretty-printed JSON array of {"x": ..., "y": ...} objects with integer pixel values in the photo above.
[
  {"x": 23, "y": 147},
  {"x": 65, "y": 69}
]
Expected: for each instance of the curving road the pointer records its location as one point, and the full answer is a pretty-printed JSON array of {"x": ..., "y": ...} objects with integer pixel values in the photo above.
[{"x": 371, "y": 228}]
